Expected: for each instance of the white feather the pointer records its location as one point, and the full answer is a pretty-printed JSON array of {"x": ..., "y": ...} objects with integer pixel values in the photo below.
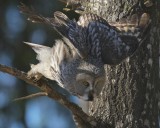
[
  {"x": 44, "y": 55},
  {"x": 43, "y": 52}
]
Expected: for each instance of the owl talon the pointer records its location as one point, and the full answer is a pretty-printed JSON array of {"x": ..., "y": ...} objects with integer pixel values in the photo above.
[
  {"x": 34, "y": 76},
  {"x": 37, "y": 77},
  {"x": 28, "y": 77},
  {"x": 35, "y": 80}
]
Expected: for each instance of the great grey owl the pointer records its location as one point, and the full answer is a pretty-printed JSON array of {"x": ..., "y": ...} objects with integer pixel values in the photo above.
[{"x": 77, "y": 61}]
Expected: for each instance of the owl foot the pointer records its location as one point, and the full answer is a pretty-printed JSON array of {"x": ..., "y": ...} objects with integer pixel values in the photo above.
[
  {"x": 34, "y": 77},
  {"x": 32, "y": 74}
]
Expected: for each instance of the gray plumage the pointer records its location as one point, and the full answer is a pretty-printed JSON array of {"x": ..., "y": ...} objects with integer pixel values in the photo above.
[
  {"x": 83, "y": 78},
  {"x": 77, "y": 61}
]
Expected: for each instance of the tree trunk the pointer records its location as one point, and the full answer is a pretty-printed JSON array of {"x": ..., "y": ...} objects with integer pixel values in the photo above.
[{"x": 130, "y": 96}]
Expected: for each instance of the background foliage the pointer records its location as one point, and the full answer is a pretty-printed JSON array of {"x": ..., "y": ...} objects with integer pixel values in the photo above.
[{"x": 40, "y": 112}]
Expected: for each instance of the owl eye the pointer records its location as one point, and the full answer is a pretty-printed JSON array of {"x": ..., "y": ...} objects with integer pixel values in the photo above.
[{"x": 86, "y": 84}]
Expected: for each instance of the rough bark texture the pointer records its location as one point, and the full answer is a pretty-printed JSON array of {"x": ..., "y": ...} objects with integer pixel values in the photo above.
[{"x": 130, "y": 96}]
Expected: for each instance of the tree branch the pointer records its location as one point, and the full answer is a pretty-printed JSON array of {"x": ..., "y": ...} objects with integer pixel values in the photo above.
[
  {"x": 81, "y": 118},
  {"x": 31, "y": 96}
]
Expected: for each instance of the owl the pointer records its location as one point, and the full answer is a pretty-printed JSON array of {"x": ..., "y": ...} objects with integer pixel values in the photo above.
[{"x": 76, "y": 62}]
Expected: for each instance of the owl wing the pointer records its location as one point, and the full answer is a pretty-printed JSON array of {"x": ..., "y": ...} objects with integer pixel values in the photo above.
[
  {"x": 134, "y": 25},
  {"x": 103, "y": 38},
  {"x": 114, "y": 42},
  {"x": 83, "y": 35},
  {"x": 64, "y": 26},
  {"x": 94, "y": 36},
  {"x": 132, "y": 31}
]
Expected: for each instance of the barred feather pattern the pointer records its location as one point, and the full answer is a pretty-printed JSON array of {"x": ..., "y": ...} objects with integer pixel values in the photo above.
[
  {"x": 77, "y": 61},
  {"x": 93, "y": 36}
]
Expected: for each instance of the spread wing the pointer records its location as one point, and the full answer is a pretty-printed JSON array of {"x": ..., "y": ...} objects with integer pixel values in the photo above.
[
  {"x": 114, "y": 41},
  {"x": 93, "y": 36},
  {"x": 64, "y": 26}
]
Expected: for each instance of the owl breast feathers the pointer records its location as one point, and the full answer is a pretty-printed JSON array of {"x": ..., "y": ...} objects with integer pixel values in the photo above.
[{"x": 77, "y": 61}]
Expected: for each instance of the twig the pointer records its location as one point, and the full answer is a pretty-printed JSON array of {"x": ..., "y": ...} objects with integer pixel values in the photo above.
[
  {"x": 31, "y": 96},
  {"x": 81, "y": 117}
]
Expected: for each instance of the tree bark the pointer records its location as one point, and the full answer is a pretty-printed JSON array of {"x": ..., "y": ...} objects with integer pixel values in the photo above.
[
  {"x": 130, "y": 97},
  {"x": 131, "y": 93}
]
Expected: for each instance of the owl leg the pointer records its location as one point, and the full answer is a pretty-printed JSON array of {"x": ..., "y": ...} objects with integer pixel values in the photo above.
[{"x": 33, "y": 73}]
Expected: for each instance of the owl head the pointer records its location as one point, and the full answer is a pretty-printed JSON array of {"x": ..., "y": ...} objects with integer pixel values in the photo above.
[{"x": 82, "y": 77}]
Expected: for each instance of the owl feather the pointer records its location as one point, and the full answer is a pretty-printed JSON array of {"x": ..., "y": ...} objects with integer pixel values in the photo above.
[{"x": 77, "y": 61}]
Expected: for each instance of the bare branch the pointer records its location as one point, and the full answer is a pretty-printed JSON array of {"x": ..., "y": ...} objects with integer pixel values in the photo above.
[
  {"x": 81, "y": 118},
  {"x": 31, "y": 96}
]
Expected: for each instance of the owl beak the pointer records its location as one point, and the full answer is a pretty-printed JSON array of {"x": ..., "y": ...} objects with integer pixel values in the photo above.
[{"x": 90, "y": 96}]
